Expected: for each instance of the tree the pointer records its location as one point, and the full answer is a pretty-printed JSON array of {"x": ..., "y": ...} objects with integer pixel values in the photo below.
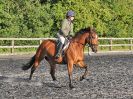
[{"x": 42, "y": 18}]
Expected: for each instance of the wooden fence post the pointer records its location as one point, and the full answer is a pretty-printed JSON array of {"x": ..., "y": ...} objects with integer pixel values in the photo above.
[
  {"x": 131, "y": 42},
  {"x": 110, "y": 48},
  {"x": 40, "y": 41},
  {"x": 12, "y": 49}
]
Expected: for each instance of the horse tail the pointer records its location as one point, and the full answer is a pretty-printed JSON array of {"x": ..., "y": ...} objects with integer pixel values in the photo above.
[{"x": 29, "y": 64}]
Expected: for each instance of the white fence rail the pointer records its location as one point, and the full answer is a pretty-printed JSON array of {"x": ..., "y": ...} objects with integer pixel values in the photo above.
[{"x": 110, "y": 44}]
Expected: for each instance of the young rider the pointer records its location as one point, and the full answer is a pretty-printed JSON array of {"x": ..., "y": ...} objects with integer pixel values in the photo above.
[{"x": 66, "y": 30}]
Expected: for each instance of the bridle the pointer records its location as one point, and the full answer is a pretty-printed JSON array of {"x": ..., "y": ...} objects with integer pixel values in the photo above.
[
  {"x": 90, "y": 38},
  {"x": 89, "y": 41}
]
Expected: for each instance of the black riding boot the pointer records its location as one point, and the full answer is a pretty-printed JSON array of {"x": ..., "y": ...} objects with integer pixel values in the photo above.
[{"x": 59, "y": 50}]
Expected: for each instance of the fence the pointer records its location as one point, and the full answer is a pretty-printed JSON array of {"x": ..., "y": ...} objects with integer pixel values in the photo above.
[
  {"x": 128, "y": 42},
  {"x": 108, "y": 42}
]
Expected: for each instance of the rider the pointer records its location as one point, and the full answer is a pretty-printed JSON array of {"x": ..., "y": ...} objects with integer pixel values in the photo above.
[{"x": 66, "y": 30}]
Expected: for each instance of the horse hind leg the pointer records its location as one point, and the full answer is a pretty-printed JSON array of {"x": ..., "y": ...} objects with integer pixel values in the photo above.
[
  {"x": 41, "y": 52},
  {"x": 52, "y": 70},
  {"x": 35, "y": 65},
  {"x": 32, "y": 71}
]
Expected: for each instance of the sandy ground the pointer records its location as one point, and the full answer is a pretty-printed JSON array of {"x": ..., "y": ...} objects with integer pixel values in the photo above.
[{"x": 111, "y": 77}]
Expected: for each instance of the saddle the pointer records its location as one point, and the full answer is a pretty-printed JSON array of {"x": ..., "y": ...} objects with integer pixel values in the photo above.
[
  {"x": 64, "y": 47},
  {"x": 61, "y": 59}
]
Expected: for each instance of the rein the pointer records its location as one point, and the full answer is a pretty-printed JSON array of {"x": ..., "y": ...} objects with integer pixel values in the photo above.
[{"x": 90, "y": 41}]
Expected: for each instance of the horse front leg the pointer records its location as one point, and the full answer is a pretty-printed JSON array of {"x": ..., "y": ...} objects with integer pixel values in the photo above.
[
  {"x": 85, "y": 73},
  {"x": 70, "y": 69},
  {"x": 83, "y": 65}
]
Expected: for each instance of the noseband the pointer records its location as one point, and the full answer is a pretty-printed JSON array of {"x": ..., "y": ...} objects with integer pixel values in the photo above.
[{"x": 90, "y": 41}]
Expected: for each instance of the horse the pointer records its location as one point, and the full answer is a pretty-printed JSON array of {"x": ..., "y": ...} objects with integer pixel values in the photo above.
[{"x": 73, "y": 55}]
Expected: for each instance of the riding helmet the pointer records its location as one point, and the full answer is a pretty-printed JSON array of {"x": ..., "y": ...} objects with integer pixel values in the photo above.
[{"x": 70, "y": 13}]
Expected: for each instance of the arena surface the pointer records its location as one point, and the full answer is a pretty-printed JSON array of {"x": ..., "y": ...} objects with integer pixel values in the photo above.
[{"x": 111, "y": 77}]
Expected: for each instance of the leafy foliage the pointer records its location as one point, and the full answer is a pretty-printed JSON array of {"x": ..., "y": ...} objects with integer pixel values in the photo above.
[{"x": 41, "y": 18}]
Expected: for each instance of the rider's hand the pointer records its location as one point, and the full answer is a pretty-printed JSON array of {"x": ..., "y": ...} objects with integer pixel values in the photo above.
[{"x": 69, "y": 37}]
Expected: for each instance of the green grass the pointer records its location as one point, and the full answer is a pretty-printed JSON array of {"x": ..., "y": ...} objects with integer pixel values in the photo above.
[
  {"x": 116, "y": 48},
  {"x": 33, "y": 50},
  {"x": 18, "y": 50}
]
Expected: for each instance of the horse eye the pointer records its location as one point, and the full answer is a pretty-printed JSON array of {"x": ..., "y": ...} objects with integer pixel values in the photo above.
[{"x": 93, "y": 37}]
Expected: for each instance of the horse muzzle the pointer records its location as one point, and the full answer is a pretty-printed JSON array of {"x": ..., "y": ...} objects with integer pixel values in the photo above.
[{"x": 94, "y": 48}]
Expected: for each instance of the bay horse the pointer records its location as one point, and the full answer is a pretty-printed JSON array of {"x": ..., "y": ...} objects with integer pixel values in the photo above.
[{"x": 74, "y": 54}]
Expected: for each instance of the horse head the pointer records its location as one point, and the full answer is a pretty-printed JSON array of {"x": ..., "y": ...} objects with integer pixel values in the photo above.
[
  {"x": 92, "y": 39},
  {"x": 87, "y": 36}
]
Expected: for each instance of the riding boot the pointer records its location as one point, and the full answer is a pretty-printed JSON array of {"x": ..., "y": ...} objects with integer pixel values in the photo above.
[{"x": 59, "y": 50}]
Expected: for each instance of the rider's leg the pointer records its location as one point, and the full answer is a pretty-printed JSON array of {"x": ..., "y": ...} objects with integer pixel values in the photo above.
[{"x": 59, "y": 50}]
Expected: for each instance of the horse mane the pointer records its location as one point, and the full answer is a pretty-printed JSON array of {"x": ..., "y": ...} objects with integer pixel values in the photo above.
[{"x": 85, "y": 30}]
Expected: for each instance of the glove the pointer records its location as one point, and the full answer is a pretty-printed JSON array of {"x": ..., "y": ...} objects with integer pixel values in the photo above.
[{"x": 69, "y": 37}]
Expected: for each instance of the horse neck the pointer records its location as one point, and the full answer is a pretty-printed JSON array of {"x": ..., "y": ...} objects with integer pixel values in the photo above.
[{"x": 81, "y": 38}]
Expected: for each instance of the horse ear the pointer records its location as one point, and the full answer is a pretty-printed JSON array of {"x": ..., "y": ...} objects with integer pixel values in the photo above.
[{"x": 90, "y": 29}]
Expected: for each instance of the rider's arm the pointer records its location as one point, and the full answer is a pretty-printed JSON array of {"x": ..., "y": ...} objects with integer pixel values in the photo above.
[
  {"x": 64, "y": 26},
  {"x": 71, "y": 30}
]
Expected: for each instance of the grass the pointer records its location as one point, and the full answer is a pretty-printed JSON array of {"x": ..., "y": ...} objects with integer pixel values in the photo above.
[
  {"x": 18, "y": 50},
  {"x": 33, "y": 50},
  {"x": 116, "y": 48}
]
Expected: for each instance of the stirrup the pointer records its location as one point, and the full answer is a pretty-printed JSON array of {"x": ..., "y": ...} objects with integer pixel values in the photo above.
[{"x": 57, "y": 56}]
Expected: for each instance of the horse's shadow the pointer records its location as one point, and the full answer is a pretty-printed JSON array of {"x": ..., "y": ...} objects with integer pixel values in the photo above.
[
  {"x": 14, "y": 79},
  {"x": 52, "y": 84},
  {"x": 3, "y": 77}
]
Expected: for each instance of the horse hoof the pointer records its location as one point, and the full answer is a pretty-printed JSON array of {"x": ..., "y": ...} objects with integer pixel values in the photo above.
[
  {"x": 71, "y": 87},
  {"x": 30, "y": 78},
  {"x": 81, "y": 78},
  {"x": 54, "y": 79},
  {"x": 56, "y": 82}
]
